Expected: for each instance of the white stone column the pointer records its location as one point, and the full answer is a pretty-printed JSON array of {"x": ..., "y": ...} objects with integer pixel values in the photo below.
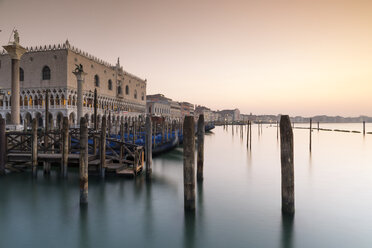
[
  {"x": 15, "y": 51},
  {"x": 80, "y": 80}
]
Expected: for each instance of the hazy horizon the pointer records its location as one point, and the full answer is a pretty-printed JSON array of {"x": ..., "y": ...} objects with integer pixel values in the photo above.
[{"x": 264, "y": 57}]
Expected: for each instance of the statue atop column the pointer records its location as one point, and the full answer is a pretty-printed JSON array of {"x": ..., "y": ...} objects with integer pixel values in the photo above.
[{"x": 16, "y": 37}]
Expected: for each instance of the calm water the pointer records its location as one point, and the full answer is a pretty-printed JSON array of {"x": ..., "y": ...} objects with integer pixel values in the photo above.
[{"x": 238, "y": 204}]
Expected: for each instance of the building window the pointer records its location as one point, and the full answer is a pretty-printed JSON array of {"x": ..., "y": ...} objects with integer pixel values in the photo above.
[
  {"x": 110, "y": 84},
  {"x": 21, "y": 74},
  {"x": 135, "y": 94},
  {"x": 127, "y": 90},
  {"x": 46, "y": 73},
  {"x": 143, "y": 96},
  {"x": 96, "y": 80},
  {"x": 119, "y": 90}
]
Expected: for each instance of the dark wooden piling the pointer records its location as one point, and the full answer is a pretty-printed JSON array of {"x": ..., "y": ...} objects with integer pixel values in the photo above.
[
  {"x": 2, "y": 146},
  {"x": 46, "y": 130},
  {"x": 318, "y": 125},
  {"x": 250, "y": 135},
  {"x": 189, "y": 163},
  {"x": 364, "y": 128},
  {"x": 154, "y": 134},
  {"x": 109, "y": 125},
  {"x": 148, "y": 146},
  {"x": 65, "y": 139},
  {"x": 95, "y": 105},
  {"x": 247, "y": 127},
  {"x": 277, "y": 130},
  {"x": 102, "y": 165},
  {"x": 83, "y": 166},
  {"x": 163, "y": 133},
  {"x": 134, "y": 132},
  {"x": 200, "y": 158},
  {"x": 34, "y": 147},
  {"x": 311, "y": 121},
  {"x": 287, "y": 170}
]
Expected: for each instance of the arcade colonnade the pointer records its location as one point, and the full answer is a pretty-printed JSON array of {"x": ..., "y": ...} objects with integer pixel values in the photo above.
[{"x": 63, "y": 102}]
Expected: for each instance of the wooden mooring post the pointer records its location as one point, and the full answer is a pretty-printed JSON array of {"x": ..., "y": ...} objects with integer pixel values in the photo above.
[
  {"x": 46, "y": 130},
  {"x": 364, "y": 128},
  {"x": 287, "y": 170},
  {"x": 318, "y": 125},
  {"x": 311, "y": 121},
  {"x": 102, "y": 164},
  {"x": 148, "y": 148},
  {"x": 2, "y": 146},
  {"x": 277, "y": 130},
  {"x": 248, "y": 135},
  {"x": 65, "y": 139},
  {"x": 34, "y": 147},
  {"x": 200, "y": 158},
  {"x": 189, "y": 163},
  {"x": 95, "y": 103},
  {"x": 83, "y": 166}
]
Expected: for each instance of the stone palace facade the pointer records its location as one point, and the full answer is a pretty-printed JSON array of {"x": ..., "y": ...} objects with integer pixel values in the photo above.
[{"x": 121, "y": 94}]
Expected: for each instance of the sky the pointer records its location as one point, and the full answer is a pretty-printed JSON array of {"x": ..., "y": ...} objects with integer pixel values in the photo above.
[{"x": 296, "y": 57}]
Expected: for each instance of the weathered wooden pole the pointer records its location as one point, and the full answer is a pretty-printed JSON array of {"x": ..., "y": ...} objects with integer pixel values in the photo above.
[
  {"x": 162, "y": 133},
  {"x": 109, "y": 125},
  {"x": 134, "y": 132},
  {"x": 127, "y": 130},
  {"x": 148, "y": 148},
  {"x": 46, "y": 130},
  {"x": 166, "y": 132},
  {"x": 364, "y": 128},
  {"x": 2, "y": 146},
  {"x": 154, "y": 134},
  {"x": 318, "y": 125},
  {"x": 287, "y": 170},
  {"x": 65, "y": 138},
  {"x": 83, "y": 167},
  {"x": 250, "y": 135},
  {"x": 277, "y": 130},
  {"x": 102, "y": 151},
  {"x": 200, "y": 159},
  {"x": 95, "y": 105},
  {"x": 34, "y": 147},
  {"x": 247, "y": 127},
  {"x": 310, "y": 133},
  {"x": 189, "y": 163}
]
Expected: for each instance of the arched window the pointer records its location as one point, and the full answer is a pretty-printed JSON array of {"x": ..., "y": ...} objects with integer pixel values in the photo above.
[
  {"x": 96, "y": 80},
  {"x": 143, "y": 96},
  {"x": 110, "y": 84},
  {"x": 135, "y": 94},
  {"x": 21, "y": 74},
  {"x": 46, "y": 73},
  {"x": 127, "y": 90},
  {"x": 119, "y": 90}
]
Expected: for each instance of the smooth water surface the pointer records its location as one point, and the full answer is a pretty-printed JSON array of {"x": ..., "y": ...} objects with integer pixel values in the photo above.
[{"x": 238, "y": 204}]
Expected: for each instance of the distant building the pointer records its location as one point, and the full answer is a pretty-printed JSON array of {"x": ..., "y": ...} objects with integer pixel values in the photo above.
[
  {"x": 208, "y": 114},
  {"x": 229, "y": 115},
  {"x": 50, "y": 68},
  {"x": 175, "y": 110},
  {"x": 187, "y": 109},
  {"x": 158, "y": 105}
]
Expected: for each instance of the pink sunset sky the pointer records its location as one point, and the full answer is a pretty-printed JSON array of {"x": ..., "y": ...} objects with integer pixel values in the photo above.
[{"x": 266, "y": 57}]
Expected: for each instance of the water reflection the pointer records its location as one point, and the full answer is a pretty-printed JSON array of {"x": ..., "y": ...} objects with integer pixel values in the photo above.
[
  {"x": 84, "y": 227},
  {"x": 287, "y": 231},
  {"x": 149, "y": 216},
  {"x": 189, "y": 229}
]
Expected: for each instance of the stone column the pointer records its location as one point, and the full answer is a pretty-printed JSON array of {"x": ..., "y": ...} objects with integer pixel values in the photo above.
[
  {"x": 15, "y": 51},
  {"x": 80, "y": 80}
]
